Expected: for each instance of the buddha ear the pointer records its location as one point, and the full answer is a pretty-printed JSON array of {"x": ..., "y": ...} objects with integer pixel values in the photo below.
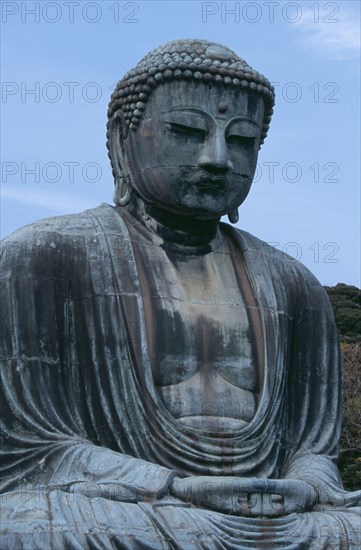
[{"x": 117, "y": 135}]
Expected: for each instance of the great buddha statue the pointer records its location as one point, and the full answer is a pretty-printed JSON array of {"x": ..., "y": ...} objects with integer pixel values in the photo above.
[{"x": 170, "y": 381}]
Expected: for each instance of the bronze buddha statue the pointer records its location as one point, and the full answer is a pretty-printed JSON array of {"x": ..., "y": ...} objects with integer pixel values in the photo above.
[{"x": 167, "y": 381}]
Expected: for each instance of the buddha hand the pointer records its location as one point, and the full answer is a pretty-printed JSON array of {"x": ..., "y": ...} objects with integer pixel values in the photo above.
[{"x": 248, "y": 497}]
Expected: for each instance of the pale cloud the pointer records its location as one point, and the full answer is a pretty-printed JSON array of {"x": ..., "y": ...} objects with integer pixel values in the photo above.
[
  {"x": 337, "y": 40},
  {"x": 52, "y": 202}
]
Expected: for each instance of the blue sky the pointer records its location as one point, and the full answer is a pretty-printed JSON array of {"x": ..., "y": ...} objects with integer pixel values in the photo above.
[{"x": 60, "y": 61}]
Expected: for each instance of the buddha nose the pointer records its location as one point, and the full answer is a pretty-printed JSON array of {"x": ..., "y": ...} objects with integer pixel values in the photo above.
[{"x": 214, "y": 155}]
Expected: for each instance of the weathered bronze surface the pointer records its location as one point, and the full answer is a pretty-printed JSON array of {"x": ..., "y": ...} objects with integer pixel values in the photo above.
[{"x": 169, "y": 381}]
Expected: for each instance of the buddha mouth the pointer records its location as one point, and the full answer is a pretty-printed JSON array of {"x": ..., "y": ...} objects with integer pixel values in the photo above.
[
  {"x": 211, "y": 185},
  {"x": 208, "y": 181}
]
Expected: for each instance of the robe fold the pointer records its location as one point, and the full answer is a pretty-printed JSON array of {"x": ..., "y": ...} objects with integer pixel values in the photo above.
[{"x": 78, "y": 402}]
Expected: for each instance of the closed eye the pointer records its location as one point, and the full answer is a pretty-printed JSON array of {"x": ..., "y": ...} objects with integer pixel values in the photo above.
[
  {"x": 241, "y": 141},
  {"x": 184, "y": 129}
]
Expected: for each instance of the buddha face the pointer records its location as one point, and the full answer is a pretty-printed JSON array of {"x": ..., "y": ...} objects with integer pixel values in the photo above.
[{"x": 195, "y": 150}]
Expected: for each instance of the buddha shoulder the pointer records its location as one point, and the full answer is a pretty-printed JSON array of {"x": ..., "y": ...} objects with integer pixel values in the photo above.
[
  {"x": 51, "y": 238},
  {"x": 287, "y": 273}
]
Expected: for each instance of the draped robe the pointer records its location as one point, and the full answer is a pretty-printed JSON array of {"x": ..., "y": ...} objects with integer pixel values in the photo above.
[{"x": 78, "y": 402}]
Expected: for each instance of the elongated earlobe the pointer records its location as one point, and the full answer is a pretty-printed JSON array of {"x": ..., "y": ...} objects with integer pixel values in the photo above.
[
  {"x": 123, "y": 191},
  {"x": 233, "y": 216}
]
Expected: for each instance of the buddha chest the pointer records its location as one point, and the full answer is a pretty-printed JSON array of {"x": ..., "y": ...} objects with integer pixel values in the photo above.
[{"x": 201, "y": 344}]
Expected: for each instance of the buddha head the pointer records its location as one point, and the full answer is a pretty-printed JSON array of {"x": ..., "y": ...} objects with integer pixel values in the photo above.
[{"x": 185, "y": 127}]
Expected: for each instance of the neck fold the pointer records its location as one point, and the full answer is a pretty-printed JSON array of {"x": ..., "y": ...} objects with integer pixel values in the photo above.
[{"x": 171, "y": 227}]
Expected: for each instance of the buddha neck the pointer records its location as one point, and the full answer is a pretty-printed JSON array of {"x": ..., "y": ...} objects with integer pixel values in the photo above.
[{"x": 173, "y": 228}]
